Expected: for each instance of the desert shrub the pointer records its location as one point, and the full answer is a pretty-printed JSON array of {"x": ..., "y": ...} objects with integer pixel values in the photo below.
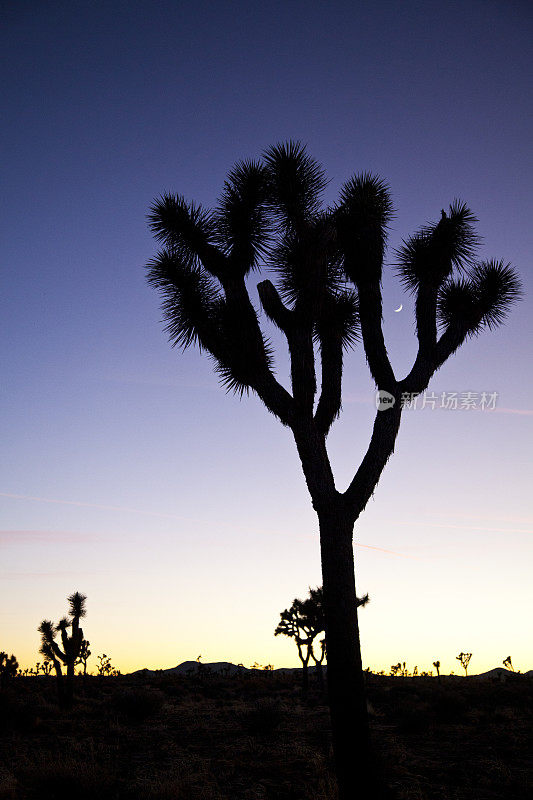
[
  {"x": 449, "y": 706},
  {"x": 263, "y": 718},
  {"x": 17, "y": 714},
  {"x": 63, "y": 779},
  {"x": 8, "y": 785},
  {"x": 415, "y": 718},
  {"x": 174, "y": 785},
  {"x": 139, "y": 704},
  {"x": 173, "y": 689}
]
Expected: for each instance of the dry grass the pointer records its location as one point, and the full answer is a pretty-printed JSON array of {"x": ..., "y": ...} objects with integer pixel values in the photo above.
[{"x": 256, "y": 738}]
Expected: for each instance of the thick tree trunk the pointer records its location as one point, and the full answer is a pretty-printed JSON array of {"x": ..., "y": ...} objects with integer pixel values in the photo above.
[
  {"x": 69, "y": 686},
  {"x": 357, "y": 774},
  {"x": 60, "y": 685},
  {"x": 319, "y": 675},
  {"x": 305, "y": 671},
  {"x": 305, "y": 678}
]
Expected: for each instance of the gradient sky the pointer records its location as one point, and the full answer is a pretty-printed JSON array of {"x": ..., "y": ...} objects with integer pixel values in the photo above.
[{"x": 126, "y": 472}]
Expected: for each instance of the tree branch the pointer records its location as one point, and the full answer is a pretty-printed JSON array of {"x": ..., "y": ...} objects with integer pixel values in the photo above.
[
  {"x": 273, "y": 306},
  {"x": 299, "y": 333},
  {"x": 329, "y": 403},
  {"x": 370, "y": 312},
  {"x": 425, "y": 366},
  {"x": 311, "y": 446},
  {"x": 213, "y": 260},
  {"x": 303, "y": 376},
  {"x": 385, "y": 431},
  {"x": 261, "y": 378},
  {"x": 426, "y": 318}
]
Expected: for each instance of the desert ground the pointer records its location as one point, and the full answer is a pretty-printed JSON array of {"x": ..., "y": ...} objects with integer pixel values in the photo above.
[{"x": 256, "y": 737}]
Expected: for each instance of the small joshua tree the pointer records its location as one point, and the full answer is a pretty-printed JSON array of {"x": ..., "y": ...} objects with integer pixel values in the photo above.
[
  {"x": 84, "y": 655},
  {"x": 313, "y": 611},
  {"x": 48, "y": 631},
  {"x": 508, "y": 663},
  {"x": 436, "y": 664},
  {"x": 294, "y": 625},
  {"x": 464, "y": 658},
  {"x": 105, "y": 667},
  {"x": 8, "y": 668},
  {"x": 319, "y": 660},
  {"x": 71, "y": 646},
  {"x": 303, "y": 622},
  {"x": 46, "y": 666}
]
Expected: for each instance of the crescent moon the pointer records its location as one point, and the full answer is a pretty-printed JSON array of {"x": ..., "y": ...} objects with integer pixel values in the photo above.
[{"x": 400, "y": 308}]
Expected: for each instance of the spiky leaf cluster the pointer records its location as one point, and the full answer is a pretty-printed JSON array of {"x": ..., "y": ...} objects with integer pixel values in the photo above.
[
  {"x": 242, "y": 224},
  {"x": 306, "y": 266},
  {"x": 483, "y": 299},
  {"x": 184, "y": 228},
  {"x": 430, "y": 256},
  {"x": 269, "y": 215},
  {"x": 8, "y": 667},
  {"x": 191, "y": 301},
  {"x": 76, "y": 603},
  {"x": 296, "y": 183},
  {"x": 71, "y": 644},
  {"x": 339, "y": 319},
  {"x": 362, "y": 219}
]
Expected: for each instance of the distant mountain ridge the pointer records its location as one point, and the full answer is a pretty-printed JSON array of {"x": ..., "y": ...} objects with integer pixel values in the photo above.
[
  {"x": 227, "y": 668},
  {"x": 217, "y": 667}
]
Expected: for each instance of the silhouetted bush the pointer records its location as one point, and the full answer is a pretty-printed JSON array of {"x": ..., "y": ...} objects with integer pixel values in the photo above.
[
  {"x": 17, "y": 715},
  {"x": 139, "y": 704},
  {"x": 415, "y": 718},
  {"x": 68, "y": 778},
  {"x": 449, "y": 705},
  {"x": 263, "y": 718},
  {"x": 8, "y": 785},
  {"x": 181, "y": 782},
  {"x": 8, "y": 668}
]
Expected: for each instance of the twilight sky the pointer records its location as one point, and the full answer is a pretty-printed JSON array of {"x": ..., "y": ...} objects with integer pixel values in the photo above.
[{"x": 126, "y": 472}]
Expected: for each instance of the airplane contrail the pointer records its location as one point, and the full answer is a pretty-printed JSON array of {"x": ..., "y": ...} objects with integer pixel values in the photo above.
[
  {"x": 455, "y": 526},
  {"x": 85, "y": 504},
  {"x": 163, "y": 515}
]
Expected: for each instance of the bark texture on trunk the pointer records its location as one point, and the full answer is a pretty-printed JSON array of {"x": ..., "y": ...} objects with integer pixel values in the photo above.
[
  {"x": 305, "y": 678},
  {"x": 319, "y": 675},
  {"x": 69, "y": 686},
  {"x": 355, "y": 764},
  {"x": 60, "y": 684}
]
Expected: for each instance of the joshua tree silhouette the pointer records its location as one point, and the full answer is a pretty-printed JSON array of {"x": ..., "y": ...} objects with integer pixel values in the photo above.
[
  {"x": 46, "y": 667},
  {"x": 328, "y": 264},
  {"x": 8, "y": 668},
  {"x": 71, "y": 646},
  {"x": 291, "y": 624},
  {"x": 84, "y": 655},
  {"x": 314, "y": 609},
  {"x": 464, "y": 658},
  {"x": 506, "y": 663},
  {"x": 303, "y": 621},
  {"x": 436, "y": 664},
  {"x": 105, "y": 667}
]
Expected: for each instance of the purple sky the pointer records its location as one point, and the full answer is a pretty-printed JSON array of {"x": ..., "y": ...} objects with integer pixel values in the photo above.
[{"x": 185, "y": 509}]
